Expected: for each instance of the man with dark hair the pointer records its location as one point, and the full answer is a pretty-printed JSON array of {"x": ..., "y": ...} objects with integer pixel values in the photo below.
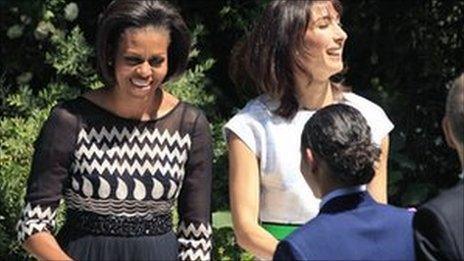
[
  {"x": 439, "y": 224},
  {"x": 338, "y": 159}
]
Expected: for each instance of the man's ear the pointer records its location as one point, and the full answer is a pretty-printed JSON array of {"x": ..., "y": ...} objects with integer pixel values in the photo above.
[
  {"x": 311, "y": 160},
  {"x": 445, "y": 124}
]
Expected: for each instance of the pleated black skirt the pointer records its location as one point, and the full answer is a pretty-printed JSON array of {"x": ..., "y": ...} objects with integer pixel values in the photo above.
[{"x": 82, "y": 246}]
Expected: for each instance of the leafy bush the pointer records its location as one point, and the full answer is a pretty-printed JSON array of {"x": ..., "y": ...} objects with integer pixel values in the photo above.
[
  {"x": 17, "y": 135},
  {"x": 402, "y": 55}
]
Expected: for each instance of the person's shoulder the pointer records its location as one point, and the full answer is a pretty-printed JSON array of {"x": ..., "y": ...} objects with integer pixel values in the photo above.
[
  {"x": 404, "y": 212},
  {"x": 61, "y": 124},
  {"x": 303, "y": 238},
  {"x": 257, "y": 106},
  {"x": 191, "y": 116},
  {"x": 191, "y": 111},
  {"x": 445, "y": 211},
  {"x": 66, "y": 110},
  {"x": 306, "y": 232},
  {"x": 361, "y": 103},
  {"x": 401, "y": 217},
  {"x": 259, "y": 110},
  {"x": 256, "y": 113},
  {"x": 448, "y": 200},
  {"x": 452, "y": 192},
  {"x": 375, "y": 116}
]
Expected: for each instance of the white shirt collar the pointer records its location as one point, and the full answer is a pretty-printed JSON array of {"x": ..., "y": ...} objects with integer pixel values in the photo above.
[{"x": 341, "y": 192}]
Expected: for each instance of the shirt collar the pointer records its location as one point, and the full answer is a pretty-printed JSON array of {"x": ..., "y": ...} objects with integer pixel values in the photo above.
[
  {"x": 341, "y": 192},
  {"x": 461, "y": 176}
]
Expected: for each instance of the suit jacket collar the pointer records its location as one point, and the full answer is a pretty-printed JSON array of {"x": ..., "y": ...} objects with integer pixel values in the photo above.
[
  {"x": 341, "y": 192},
  {"x": 348, "y": 202}
]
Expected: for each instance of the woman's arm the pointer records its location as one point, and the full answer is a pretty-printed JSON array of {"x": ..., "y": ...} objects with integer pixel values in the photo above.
[
  {"x": 43, "y": 246},
  {"x": 194, "y": 231},
  {"x": 244, "y": 200},
  {"x": 49, "y": 173},
  {"x": 378, "y": 186}
]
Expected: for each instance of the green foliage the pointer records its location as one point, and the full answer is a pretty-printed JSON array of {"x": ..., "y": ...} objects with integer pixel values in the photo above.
[
  {"x": 237, "y": 16},
  {"x": 225, "y": 246},
  {"x": 70, "y": 57},
  {"x": 190, "y": 86},
  {"x": 25, "y": 108},
  {"x": 16, "y": 136},
  {"x": 403, "y": 60}
]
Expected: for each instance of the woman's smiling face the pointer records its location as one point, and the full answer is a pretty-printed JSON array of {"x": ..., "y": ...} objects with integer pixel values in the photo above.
[
  {"x": 324, "y": 41},
  {"x": 141, "y": 61}
]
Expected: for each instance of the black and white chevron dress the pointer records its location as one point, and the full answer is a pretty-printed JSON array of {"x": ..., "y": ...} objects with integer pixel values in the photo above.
[{"x": 120, "y": 180}]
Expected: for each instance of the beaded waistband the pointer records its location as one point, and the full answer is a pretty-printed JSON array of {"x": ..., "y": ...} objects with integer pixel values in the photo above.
[{"x": 109, "y": 225}]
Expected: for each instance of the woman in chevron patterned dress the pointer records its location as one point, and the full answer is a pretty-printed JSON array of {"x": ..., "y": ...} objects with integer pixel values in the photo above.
[{"x": 122, "y": 156}]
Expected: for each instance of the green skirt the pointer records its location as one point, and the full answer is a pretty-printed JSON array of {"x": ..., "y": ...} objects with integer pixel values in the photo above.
[{"x": 279, "y": 231}]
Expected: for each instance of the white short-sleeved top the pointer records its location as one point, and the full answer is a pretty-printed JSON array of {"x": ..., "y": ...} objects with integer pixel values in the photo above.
[{"x": 284, "y": 195}]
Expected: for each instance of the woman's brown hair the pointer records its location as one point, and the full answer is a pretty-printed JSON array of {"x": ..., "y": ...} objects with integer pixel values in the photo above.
[{"x": 268, "y": 57}]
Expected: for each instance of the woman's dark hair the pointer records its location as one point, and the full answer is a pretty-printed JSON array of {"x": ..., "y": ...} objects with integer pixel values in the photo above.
[
  {"x": 269, "y": 54},
  {"x": 339, "y": 135},
  {"x": 123, "y": 14}
]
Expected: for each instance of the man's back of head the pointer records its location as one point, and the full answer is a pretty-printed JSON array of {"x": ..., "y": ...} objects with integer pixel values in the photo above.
[
  {"x": 453, "y": 123},
  {"x": 438, "y": 223}
]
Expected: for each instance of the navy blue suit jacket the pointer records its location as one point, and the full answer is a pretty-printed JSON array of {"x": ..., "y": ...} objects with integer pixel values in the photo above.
[{"x": 352, "y": 227}]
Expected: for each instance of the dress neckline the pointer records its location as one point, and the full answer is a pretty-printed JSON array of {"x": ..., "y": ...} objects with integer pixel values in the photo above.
[
  {"x": 114, "y": 115},
  {"x": 272, "y": 104}
]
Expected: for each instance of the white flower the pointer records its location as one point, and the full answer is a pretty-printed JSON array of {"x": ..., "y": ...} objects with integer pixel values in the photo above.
[
  {"x": 71, "y": 11},
  {"x": 15, "y": 31},
  {"x": 25, "y": 19},
  {"x": 24, "y": 78},
  {"x": 43, "y": 29}
]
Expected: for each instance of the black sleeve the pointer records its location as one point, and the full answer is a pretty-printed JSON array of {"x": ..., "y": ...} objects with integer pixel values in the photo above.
[
  {"x": 432, "y": 242},
  {"x": 51, "y": 160},
  {"x": 194, "y": 205}
]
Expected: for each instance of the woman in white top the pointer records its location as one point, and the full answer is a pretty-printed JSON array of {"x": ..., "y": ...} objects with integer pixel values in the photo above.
[{"x": 290, "y": 56}]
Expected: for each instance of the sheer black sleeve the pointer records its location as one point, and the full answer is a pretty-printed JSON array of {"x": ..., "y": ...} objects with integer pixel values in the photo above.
[
  {"x": 194, "y": 205},
  {"x": 51, "y": 160}
]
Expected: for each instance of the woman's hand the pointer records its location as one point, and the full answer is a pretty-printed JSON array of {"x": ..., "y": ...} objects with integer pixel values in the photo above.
[{"x": 44, "y": 246}]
